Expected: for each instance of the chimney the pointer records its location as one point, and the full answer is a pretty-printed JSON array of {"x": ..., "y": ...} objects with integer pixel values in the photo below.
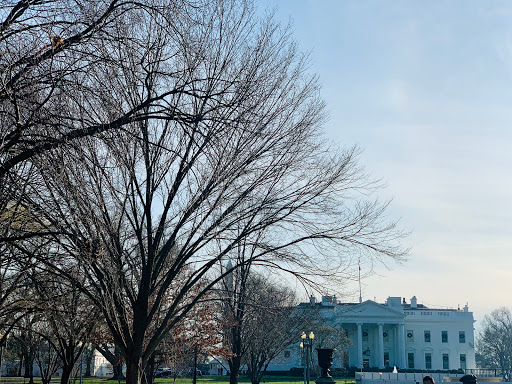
[
  {"x": 466, "y": 308},
  {"x": 393, "y": 302},
  {"x": 414, "y": 302},
  {"x": 327, "y": 301}
]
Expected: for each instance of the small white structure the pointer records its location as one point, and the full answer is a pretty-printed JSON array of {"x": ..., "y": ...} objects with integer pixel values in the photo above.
[
  {"x": 101, "y": 366},
  {"x": 216, "y": 368}
]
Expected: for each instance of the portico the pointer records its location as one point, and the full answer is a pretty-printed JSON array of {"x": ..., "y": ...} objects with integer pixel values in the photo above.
[
  {"x": 383, "y": 347},
  {"x": 379, "y": 342}
]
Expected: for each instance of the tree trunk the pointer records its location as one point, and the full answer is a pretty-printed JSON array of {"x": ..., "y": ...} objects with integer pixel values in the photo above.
[
  {"x": 194, "y": 381},
  {"x": 29, "y": 367},
  {"x": 66, "y": 374},
  {"x": 255, "y": 376},
  {"x": 88, "y": 362},
  {"x": 148, "y": 375},
  {"x": 87, "y": 372},
  {"x": 20, "y": 367},
  {"x": 234, "y": 369},
  {"x": 46, "y": 377},
  {"x": 133, "y": 370},
  {"x": 117, "y": 370},
  {"x": 256, "y": 371}
]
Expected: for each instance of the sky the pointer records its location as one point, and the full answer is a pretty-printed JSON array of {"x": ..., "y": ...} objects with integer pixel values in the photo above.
[{"x": 425, "y": 88}]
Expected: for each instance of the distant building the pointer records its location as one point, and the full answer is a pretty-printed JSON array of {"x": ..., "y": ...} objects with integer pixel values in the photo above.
[
  {"x": 396, "y": 333},
  {"x": 101, "y": 367},
  {"x": 216, "y": 367}
]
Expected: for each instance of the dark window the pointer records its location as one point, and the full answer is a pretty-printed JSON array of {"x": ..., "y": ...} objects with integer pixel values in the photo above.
[
  {"x": 428, "y": 361},
  {"x": 462, "y": 337},
  {"x": 427, "y": 336},
  {"x": 386, "y": 359},
  {"x": 410, "y": 360},
  {"x": 446, "y": 361},
  {"x": 444, "y": 336}
]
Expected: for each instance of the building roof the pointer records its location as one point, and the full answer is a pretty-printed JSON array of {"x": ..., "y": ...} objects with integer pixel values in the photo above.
[{"x": 395, "y": 302}]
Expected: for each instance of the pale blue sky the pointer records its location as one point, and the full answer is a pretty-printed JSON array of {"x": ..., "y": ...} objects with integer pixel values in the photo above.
[{"x": 425, "y": 87}]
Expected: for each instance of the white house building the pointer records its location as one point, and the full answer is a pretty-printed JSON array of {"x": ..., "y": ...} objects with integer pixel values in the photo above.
[{"x": 396, "y": 333}]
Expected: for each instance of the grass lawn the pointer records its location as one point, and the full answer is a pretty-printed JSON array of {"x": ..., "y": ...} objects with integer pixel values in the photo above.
[{"x": 181, "y": 380}]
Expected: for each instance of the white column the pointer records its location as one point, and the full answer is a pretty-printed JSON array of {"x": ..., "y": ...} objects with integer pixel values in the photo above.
[
  {"x": 380, "y": 360},
  {"x": 401, "y": 337},
  {"x": 396, "y": 348},
  {"x": 359, "y": 345}
]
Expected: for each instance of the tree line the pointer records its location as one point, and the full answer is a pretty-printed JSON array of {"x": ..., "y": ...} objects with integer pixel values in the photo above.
[
  {"x": 63, "y": 329},
  {"x": 148, "y": 151}
]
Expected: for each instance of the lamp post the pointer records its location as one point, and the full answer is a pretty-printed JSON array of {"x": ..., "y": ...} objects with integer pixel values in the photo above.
[
  {"x": 307, "y": 347},
  {"x": 194, "y": 381},
  {"x": 81, "y": 360}
]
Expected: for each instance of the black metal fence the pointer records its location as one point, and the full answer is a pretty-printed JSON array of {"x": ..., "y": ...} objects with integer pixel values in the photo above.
[{"x": 487, "y": 372}]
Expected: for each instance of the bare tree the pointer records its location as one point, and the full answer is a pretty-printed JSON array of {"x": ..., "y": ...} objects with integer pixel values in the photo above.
[
  {"x": 46, "y": 356},
  {"x": 494, "y": 342},
  {"x": 271, "y": 324},
  {"x": 249, "y": 306},
  {"x": 69, "y": 316},
  {"x": 227, "y": 151},
  {"x": 25, "y": 334},
  {"x": 234, "y": 294}
]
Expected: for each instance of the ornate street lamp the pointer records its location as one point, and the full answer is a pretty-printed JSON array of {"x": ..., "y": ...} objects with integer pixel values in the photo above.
[
  {"x": 81, "y": 360},
  {"x": 307, "y": 352}
]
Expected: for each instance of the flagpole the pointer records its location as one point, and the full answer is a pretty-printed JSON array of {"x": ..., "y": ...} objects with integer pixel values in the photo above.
[{"x": 360, "y": 293}]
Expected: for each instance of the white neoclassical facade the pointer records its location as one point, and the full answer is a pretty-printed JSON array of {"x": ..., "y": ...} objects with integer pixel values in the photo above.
[{"x": 397, "y": 333}]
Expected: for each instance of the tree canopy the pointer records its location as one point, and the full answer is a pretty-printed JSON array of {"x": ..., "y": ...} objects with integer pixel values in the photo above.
[{"x": 150, "y": 141}]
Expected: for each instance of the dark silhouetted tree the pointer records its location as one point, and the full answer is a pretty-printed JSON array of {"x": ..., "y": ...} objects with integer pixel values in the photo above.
[{"x": 217, "y": 144}]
